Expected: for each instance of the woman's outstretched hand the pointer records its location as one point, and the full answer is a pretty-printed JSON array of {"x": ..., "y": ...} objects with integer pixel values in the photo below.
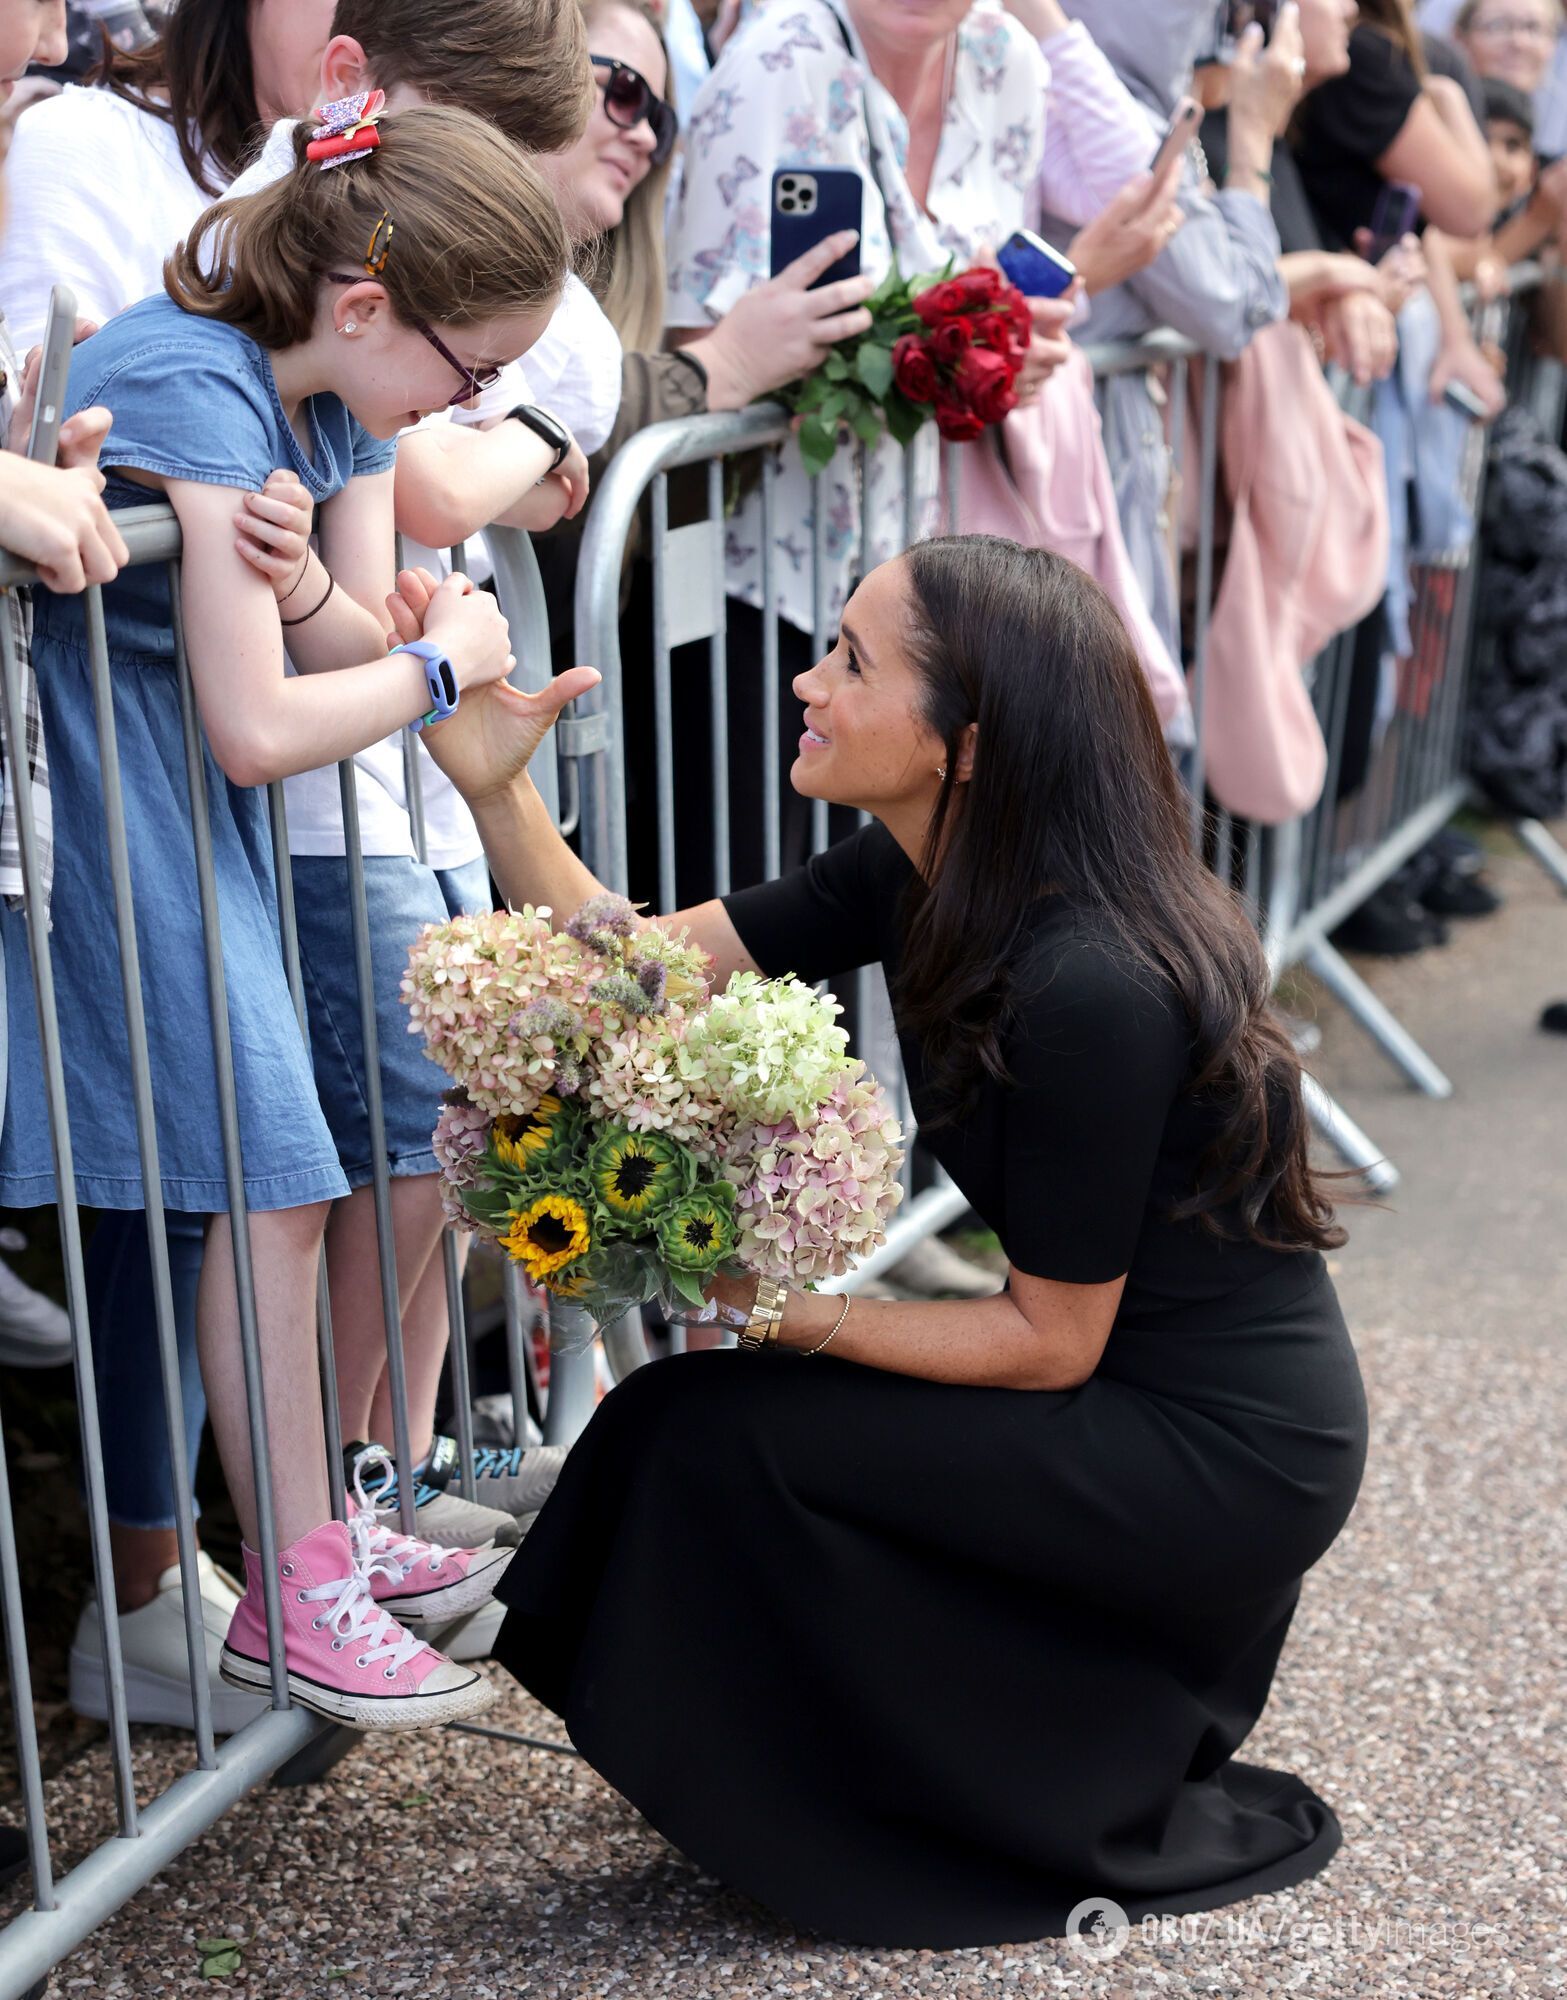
[{"x": 487, "y": 745}]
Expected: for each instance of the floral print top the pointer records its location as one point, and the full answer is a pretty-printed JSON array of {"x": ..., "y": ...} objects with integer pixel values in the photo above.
[{"x": 789, "y": 92}]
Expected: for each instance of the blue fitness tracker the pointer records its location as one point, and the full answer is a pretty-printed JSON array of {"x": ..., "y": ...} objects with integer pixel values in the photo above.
[{"x": 441, "y": 677}]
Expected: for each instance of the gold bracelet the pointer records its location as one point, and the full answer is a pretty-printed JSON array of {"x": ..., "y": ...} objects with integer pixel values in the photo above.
[
  {"x": 761, "y": 1329},
  {"x": 836, "y": 1324}
]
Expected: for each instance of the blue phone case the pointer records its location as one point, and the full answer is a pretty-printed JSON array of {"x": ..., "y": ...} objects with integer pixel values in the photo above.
[
  {"x": 808, "y": 204},
  {"x": 1038, "y": 271}
]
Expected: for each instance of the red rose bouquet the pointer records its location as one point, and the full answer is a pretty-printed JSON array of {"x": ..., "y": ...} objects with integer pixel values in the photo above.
[{"x": 948, "y": 347}]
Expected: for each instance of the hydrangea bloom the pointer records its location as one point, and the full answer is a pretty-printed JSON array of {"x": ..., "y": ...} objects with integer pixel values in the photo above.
[
  {"x": 651, "y": 1078},
  {"x": 773, "y": 1046},
  {"x": 811, "y": 1202}
]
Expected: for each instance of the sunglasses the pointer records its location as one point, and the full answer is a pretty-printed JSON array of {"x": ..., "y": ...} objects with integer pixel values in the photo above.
[
  {"x": 629, "y": 98},
  {"x": 473, "y": 379}
]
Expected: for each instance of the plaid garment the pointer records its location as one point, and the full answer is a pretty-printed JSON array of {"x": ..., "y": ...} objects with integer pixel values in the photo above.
[{"x": 16, "y": 607}]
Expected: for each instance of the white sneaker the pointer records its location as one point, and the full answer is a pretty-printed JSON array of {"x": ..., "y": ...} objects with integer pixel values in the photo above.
[
  {"x": 34, "y": 1331},
  {"x": 933, "y": 1269},
  {"x": 157, "y": 1662}
]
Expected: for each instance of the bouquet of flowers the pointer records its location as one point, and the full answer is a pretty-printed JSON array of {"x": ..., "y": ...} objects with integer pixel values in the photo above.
[
  {"x": 623, "y": 1132},
  {"x": 948, "y": 347}
]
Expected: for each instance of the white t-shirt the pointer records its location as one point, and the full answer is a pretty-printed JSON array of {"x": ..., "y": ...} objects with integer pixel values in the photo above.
[{"x": 98, "y": 197}]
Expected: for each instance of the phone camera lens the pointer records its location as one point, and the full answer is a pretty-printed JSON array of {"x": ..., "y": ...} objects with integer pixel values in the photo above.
[{"x": 786, "y": 205}]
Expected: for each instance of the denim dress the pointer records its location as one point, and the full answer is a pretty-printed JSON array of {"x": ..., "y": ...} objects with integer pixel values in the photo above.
[{"x": 192, "y": 399}]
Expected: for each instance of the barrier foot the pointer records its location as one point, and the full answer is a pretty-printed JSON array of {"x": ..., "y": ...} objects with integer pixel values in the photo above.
[
  {"x": 1346, "y": 1138},
  {"x": 1539, "y": 841},
  {"x": 310, "y": 1765},
  {"x": 1379, "y": 1022}
]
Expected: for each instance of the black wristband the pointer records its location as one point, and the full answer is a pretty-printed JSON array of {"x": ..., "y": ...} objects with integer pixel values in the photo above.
[{"x": 543, "y": 425}]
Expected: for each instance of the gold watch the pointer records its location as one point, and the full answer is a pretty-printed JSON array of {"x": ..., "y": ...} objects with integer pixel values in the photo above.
[{"x": 761, "y": 1329}]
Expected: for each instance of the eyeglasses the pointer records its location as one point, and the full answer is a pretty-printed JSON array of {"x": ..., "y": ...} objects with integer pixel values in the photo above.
[
  {"x": 375, "y": 259},
  {"x": 1521, "y": 27},
  {"x": 629, "y": 98}
]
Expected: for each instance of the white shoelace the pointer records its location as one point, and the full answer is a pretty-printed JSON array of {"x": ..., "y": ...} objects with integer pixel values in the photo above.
[
  {"x": 377, "y": 1546},
  {"x": 355, "y": 1615}
]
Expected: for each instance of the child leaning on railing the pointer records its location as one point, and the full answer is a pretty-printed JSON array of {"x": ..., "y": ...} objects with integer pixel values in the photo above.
[{"x": 305, "y": 326}]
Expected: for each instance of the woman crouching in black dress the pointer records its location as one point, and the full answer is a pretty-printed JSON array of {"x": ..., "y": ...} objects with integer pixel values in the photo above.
[{"x": 963, "y": 1626}]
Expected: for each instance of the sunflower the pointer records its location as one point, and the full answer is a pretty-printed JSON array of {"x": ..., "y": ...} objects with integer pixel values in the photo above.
[
  {"x": 636, "y": 1175},
  {"x": 519, "y": 1141},
  {"x": 698, "y": 1233},
  {"x": 547, "y": 1235}
]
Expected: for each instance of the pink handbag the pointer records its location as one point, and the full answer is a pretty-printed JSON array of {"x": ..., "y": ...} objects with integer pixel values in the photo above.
[
  {"x": 1307, "y": 559},
  {"x": 1042, "y": 479}
]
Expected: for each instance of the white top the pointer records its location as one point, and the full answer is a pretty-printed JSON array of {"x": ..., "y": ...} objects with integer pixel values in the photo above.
[
  {"x": 98, "y": 196},
  {"x": 787, "y": 92}
]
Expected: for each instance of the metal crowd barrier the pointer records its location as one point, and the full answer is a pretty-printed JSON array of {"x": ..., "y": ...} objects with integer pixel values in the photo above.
[
  {"x": 1297, "y": 879},
  {"x": 285, "y": 1741}
]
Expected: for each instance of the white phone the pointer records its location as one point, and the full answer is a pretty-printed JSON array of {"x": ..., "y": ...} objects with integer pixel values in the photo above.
[
  {"x": 1178, "y": 134},
  {"x": 43, "y": 439}
]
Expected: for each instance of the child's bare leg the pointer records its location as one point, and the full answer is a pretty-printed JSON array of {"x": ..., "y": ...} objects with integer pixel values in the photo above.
[{"x": 285, "y": 1246}]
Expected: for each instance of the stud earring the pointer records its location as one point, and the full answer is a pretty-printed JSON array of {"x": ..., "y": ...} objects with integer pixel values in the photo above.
[
  {"x": 349, "y": 326},
  {"x": 941, "y": 770}
]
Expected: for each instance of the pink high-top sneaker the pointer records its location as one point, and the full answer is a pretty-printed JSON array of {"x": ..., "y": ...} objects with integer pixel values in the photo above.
[
  {"x": 347, "y": 1658},
  {"x": 418, "y": 1582}
]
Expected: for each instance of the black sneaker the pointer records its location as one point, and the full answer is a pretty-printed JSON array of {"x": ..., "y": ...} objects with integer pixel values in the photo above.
[
  {"x": 1454, "y": 893},
  {"x": 1390, "y": 924}
]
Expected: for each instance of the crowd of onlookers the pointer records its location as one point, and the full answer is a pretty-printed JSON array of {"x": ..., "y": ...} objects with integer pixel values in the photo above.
[{"x": 562, "y": 236}]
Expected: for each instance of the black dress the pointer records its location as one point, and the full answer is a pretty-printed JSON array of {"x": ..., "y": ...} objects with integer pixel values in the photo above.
[{"x": 922, "y": 1664}]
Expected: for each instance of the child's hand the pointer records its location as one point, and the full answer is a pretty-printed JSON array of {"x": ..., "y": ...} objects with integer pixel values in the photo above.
[{"x": 274, "y": 532}]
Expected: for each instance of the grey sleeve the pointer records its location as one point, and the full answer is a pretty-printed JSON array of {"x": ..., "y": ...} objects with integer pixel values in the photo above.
[{"x": 1217, "y": 281}]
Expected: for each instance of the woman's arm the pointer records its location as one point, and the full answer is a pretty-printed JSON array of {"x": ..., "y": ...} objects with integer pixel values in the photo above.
[
  {"x": 454, "y": 479},
  {"x": 1460, "y": 358},
  {"x": 1037, "y": 1335},
  {"x": 1440, "y": 150},
  {"x": 485, "y": 750}
]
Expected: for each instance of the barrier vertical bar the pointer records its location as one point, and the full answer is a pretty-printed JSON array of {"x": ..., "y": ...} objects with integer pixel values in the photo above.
[
  {"x": 663, "y": 700},
  {"x": 326, "y": 1356},
  {"x": 24, "y": 1721},
  {"x": 233, "y": 1165},
  {"x": 381, "y": 1179},
  {"x": 1206, "y": 474},
  {"x": 819, "y": 824},
  {"x": 151, "y": 1179},
  {"x": 718, "y": 695},
  {"x": 19, "y": 1670},
  {"x": 462, "y": 1386},
  {"x": 772, "y": 693}
]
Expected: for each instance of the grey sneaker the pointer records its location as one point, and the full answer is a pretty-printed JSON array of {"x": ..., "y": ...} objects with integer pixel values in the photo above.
[
  {"x": 441, "y": 1514},
  {"x": 518, "y": 1479},
  {"x": 34, "y": 1331}
]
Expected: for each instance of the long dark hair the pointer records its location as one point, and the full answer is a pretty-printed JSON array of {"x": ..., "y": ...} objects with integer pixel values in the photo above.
[
  {"x": 1072, "y": 790},
  {"x": 197, "y": 77}
]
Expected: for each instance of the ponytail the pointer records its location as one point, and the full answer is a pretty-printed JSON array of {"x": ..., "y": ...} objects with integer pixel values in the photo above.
[{"x": 474, "y": 233}]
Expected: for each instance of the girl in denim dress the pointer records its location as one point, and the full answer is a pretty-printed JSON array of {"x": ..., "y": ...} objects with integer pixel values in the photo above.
[{"x": 304, "y": 328}]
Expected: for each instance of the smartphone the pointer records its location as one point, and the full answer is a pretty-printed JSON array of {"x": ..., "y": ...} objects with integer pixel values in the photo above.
[
  {"x": 1178, "y": 134},
  {"x": 1231, "y": 19},
  {"x": 1036, "y": 267},
  {"x": 43, "y": 439},
  {"x": 1460, "y": 397},
  {"x": 809, "y": 204},
  {"x": 1395, "y": 215}
]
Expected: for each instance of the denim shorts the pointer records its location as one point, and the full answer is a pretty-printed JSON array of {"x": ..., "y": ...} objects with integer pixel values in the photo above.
[{"x": 402, "y": 896}]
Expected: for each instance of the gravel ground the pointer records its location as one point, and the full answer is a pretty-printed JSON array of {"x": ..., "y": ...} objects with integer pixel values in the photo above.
[{"x": 1421, "y": 1691}]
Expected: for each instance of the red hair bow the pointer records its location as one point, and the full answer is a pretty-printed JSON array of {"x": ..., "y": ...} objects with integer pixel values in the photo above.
[{"x": 347, "y": 129}]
